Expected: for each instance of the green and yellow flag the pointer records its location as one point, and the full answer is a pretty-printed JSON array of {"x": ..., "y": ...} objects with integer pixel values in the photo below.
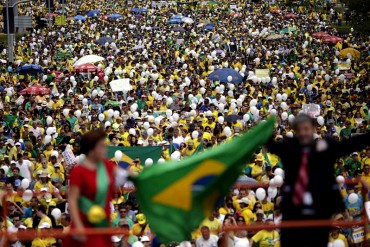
[{"x": 177, "y": 196}]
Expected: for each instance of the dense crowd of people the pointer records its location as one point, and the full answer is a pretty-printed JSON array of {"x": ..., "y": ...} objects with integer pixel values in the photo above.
[{"x": 288, "y": 58}]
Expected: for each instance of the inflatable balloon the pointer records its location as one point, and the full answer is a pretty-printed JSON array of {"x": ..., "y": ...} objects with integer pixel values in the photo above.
[
  {"x": 148, "y": 162},
  {"x": 25, "y": 183},
  {"x": 260, "y": 194},
  {"x": 118, "y": 155},
  {"x": 56, "y": 213}
]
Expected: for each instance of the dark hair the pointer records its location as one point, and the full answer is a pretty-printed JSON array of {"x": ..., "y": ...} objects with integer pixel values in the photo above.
[
  {"x": 302, "y": 118},
  {"x": 41, "y": 208},
  {"x": 90, "y": 139}
]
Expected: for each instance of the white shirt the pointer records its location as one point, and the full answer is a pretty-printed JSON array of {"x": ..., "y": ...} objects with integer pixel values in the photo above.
[
  {"x": 211, "y": 242},
  {"x": 24, "y": 169},
  {"x": 36, "y": 132},
  {"x": 178, "y": 140}
]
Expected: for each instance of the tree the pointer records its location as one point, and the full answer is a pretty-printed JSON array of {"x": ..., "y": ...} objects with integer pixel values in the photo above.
[{"x": 360, "y": 17}]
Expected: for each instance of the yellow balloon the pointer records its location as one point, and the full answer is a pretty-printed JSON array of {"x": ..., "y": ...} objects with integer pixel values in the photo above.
[{"x": 96, "y": 214}]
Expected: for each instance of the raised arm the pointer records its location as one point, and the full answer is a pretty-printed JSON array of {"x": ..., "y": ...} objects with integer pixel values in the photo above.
[
  {"x": 351, "y": 145},
  {"x": 274, "y": 147}
]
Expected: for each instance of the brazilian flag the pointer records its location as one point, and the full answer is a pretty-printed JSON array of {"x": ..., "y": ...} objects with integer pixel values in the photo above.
[{"x": 177, "y": 196}]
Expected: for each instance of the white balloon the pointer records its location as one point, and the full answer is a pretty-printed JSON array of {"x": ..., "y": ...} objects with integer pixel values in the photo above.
[
  {"x": 132, "y": 131},
  {"x": 161, "y": 161},
  {"x": 194, "y": 134},
  {"x": 229, "y": 78},
  {"x": 273, "y": 112},
  {"x": 289, "y": 134},
  {"x": 320, "y": 120},
  {"x": 146, "y": 125},
  {"x": 27, "y": 195},
  {"x": 116, "y": 114},
  {"x": 254, "y": 110},
  {"x": 78, "y": 113},
  {"x": 6, "y": 169},
  {"x": 118, "y": 155},
  {"x": 340, "y": 180},
  {"x": 278, "y": 180},
  {"x": 246, "y": 117},
  {"x": 49, "y": 120},
  {"x": 175, "y": 156},
  {"x": 148, "y": 162},
  {"x": 101, "y": 117},
  {"x": 65, "y": 112},
  {"x": 338, "y": 243},
  {"x": 272, "y": 192},
  {"x": 110, "y": 113},
  {"x": 253, "y": 102},
  {"x": 309, "y": 87},
  {"x": 169, "y": 100},
  {"x": 279, "y": 97},
  {"x": 47, "y": 139},
  {"x": 150, "y": 132},
  {"x": 284, "y": 116},
  {"x": 291, "y": 118},
  {"x": 260, "y": 194},
  {"x": 284, "y": 96},
  {"x": 352, "y": 198},
  {"x": 280, "y": 172},
  {"x": 25, "y": 183},
  {"x": 221, "y": 119},
  {"x": 56, "y": 213}
]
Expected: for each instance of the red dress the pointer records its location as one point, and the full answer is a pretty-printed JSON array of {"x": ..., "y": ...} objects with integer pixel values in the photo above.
[{"x": 85, "y": 179}]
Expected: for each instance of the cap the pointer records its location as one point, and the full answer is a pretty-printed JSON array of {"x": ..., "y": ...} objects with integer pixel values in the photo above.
[
  {"x": 115, "y": 239},
  {"x": 25, "y": 126},
  {"x": 10, "y": 142},
  {"x": 141, "y": 219},
  {"x": 354, "y": 153},
  {"x": 18, "y": 144},
  {"x": 259, "y": 157},
  {"x": 145, "y": 239},
  {"x": 44, "y": 174},
  {"x": 244, "y": 200},
  {"x": 44, "y": 225}
]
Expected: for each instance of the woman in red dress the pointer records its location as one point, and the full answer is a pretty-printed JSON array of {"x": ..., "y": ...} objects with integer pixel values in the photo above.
[{"x": 91, "y": 185}]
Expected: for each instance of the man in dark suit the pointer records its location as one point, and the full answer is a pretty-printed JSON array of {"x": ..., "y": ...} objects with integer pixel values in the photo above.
[{"x": 310, "y": 191}]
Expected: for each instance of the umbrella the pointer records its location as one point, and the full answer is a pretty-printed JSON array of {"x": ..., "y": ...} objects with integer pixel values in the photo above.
[
  {"x": 30, "y": 69},
  {"x": 276, "y": 11},
  {"x": 274, "y": 37},
  {"x": 92, "y": 13},
  {"x": 210, "y": 26},
  {"x": 111, "y": 102},
  {"x": 79, "y": 18},
  {"x": 178, "y": 29},
  {"x": 213, "y": 3},
  {"x": 88, "y": 59},
  {"x": 320, "y": 35},
  {"x": 138, "y": 47},
  {"x": 290, "y": 16},
  {"x": 222, "y": 74},
  {"x": 332, "y": 39},
  {"x": 175, "y": 21},
  {"x": 232, "y": 118},
  {"x": 187, "y": 20},
  {"x": 115, "y": 16},
  {"x": 139, "y": 10},
  {"x": 219, "y": 51},
  {"x": 103, "y": 40},
  {"x": 178, "y": 16},
  {"x": 86, "y": 68},
  {"x": 35, "y": 90},
  {"x": 354, "y": 53}
]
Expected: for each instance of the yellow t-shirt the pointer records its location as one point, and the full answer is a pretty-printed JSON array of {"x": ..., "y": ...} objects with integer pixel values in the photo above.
[
  {"x": 255, "y": 170},
  {"x": 266, "y": 238},
  {"x": 137, "y": 229},
  {"x": 341, "y": 237},
  {"x": 268, "y": 208},
  {"x": 214, "y": 225},
  {"x": 248, "y": 216},
  {"x": 45, "y": 219}
]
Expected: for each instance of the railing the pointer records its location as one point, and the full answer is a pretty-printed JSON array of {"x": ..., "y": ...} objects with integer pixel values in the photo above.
[{"x": 31, "y": 234}]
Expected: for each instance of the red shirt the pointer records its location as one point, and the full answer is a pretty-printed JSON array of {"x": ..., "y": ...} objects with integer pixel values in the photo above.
[{"x": 85, "y": 179}]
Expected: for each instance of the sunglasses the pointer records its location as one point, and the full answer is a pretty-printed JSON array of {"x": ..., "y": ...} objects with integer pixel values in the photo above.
[
  {"x": 123, "y": 211},
  {"x": 240, "y": 220}
]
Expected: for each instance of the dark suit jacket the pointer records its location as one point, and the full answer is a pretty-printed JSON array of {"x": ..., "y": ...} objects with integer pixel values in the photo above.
[{"x": 322, "y": 185}]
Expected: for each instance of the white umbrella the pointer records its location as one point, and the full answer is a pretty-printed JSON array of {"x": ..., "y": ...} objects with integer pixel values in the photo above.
[
  {"x": 88, "y": 59},
  {"x": 187, "y": 20}
]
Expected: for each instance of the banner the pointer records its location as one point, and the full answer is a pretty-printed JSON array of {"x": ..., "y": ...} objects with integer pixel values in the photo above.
[
  {"x": 262, "y": 73},
  {"x": 344, "y": 66},
  {"x": 131, "y": 153},
  {"x": 120, "y": 85},
  {"x": 312, "y": 110},
  {"x": 60, "y": 20}
]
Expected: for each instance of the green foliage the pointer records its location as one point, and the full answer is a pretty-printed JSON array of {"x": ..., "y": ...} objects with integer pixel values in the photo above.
[{"x": 361, "y": 15}]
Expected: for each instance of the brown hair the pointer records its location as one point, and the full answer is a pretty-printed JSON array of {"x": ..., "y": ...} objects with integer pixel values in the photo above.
[{"x": 90, "y": 139}]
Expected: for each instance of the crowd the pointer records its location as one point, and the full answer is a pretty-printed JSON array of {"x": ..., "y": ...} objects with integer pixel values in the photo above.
[{"x": 165, "y": 55}]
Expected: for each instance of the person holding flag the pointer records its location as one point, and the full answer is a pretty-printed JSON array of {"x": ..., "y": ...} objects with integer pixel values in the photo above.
[
  {"x": 92, "y": 184},
  {"x": 310, "y": 191}
]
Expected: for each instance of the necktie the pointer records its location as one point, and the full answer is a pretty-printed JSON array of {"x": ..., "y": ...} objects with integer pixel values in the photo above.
[{"x": 300, "y": 187}]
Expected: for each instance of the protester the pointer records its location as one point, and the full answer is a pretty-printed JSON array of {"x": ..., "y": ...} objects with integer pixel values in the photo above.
[{"x": 284, "y": 60}]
